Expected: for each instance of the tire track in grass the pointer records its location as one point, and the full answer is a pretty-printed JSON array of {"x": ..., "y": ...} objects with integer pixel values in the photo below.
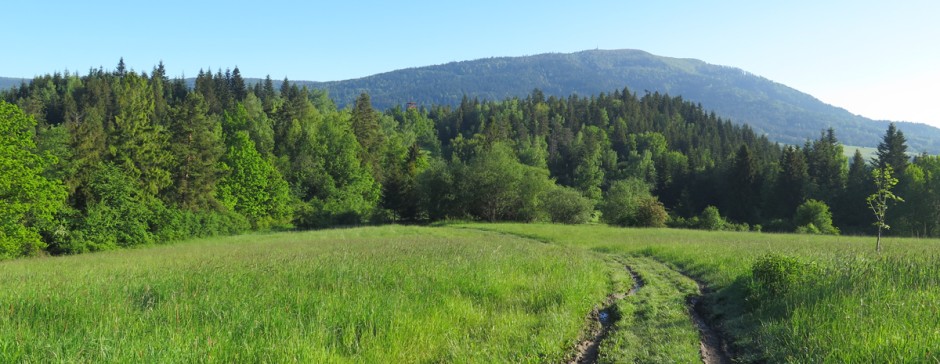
[
  {"x": 602, "y": 320},
  {"x": 663, "y": 322},
  {"x": 712, "y": 349}
]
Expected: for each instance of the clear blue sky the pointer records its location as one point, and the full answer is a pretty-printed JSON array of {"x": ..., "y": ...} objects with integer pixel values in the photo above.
[{"x": 879, "y": 59}]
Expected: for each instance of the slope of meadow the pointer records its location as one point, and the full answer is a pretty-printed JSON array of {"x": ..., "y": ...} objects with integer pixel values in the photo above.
[
  {"x": 851, "y": 305},
  {"x": 385, "y": 294}
]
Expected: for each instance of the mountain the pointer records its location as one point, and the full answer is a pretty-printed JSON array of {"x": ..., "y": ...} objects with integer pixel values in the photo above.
[
  {"x": 783, "y": 113},
  {"x": 786, "y": 115},
  {"x": 7, "y": 82}
]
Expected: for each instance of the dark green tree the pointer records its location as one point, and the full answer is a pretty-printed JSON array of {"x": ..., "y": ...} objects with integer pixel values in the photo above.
[
  {"x": 196, "y": 145},
  {"x": 791, "y": 184},
  {"x": 744, "y": 187},
  {"x": 892, "y": 150},
  {"x": 826, "y": 166},
  {"x": 851, "y": 213},
  {"x": 135, "y": 143},
  {"x": 365, "y": 125}
]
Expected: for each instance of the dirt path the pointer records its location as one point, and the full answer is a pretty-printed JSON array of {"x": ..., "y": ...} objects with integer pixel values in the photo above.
[
  {"x": 602, "y": 320},
  {"x": 712, "y": 347}
]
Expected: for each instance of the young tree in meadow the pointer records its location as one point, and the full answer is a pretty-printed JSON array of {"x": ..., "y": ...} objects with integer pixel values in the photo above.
[
  {"x": 878, "y": 201},
  {"x": 29, "y": 200}
]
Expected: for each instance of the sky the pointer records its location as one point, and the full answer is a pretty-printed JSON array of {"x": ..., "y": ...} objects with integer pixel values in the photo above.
[{"x": 879, "y": 59}]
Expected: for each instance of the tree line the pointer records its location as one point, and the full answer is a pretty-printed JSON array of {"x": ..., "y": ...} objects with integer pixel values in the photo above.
[{"x": 120, "y": 158}]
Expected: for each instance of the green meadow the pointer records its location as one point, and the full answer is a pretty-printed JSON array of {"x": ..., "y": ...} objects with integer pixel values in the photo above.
[
  {"x": 387, "y": 294},
  {"x": 850, "y": 305},
  {"x": 484, "y": 293}
]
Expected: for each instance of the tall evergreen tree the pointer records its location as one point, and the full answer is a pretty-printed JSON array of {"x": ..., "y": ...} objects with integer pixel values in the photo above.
[
  {"x": 851, "y": 213},
  {"x": 826, "y": 166},
  {"x": 135, "y": 143},
  {"x": 744, "y": 184},
  {"x": 790, "y": 188},
  {"x": 196, "y": 144},
  {"x": 892, "y": 150},
  {"x": 237, "y": 85},
  {"x": 365, "y": 125}
]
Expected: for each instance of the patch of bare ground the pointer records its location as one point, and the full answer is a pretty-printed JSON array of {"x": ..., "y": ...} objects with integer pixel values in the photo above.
[
  {"x": 713, "y": 347},
  {"x": 602, "y": 319}
]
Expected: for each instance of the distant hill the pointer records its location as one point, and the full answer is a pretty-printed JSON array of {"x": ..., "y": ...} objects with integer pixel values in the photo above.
[
  {"x": 6, "y": 82},
  {"x": 783, "y": 113}
]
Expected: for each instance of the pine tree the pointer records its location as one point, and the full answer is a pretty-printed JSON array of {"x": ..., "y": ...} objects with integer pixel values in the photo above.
[
  {"x": 790, "y": 189},
  {"x": 196, "y": 144},
  {"x": 366, "y": 127},
  {"x": 826, "y": 165},
  {"x": 135, "y": 143},
  {"x": 237, "y": 85},
  {"x": 851, "y": 211},
  {"x": 744, "y": 183},
  {"x": 892, "y": 150}
]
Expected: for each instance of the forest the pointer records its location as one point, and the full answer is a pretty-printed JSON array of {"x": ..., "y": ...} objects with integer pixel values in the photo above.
[{"x": 122, "y": 158}]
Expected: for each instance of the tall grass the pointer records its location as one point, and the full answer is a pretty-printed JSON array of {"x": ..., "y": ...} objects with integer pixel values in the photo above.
[
  {"x": 859, "y": 307},
  {"x": 389, "y": 294}
]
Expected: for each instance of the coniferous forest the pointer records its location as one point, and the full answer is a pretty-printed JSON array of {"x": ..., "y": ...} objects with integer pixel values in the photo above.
[{"x": 122, "y": 158}]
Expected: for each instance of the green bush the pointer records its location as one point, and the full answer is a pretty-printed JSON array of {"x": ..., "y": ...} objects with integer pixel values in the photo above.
[
  {"x": 774, "y": 274},
  {"x": 651, "y": 213},
  {"x": 630, "y": 203},
  {"x": 813, "y": 217},
  {"x": 568, "y": 206},
  {"x": 711, "y": 219}
]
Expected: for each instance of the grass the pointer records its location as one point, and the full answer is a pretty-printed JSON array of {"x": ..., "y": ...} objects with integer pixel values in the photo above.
[
  {"x": 654, "y": 324},
  {"x": 469, "y": 293},
  {"x": 387, "y": 294},
  {"x": 861, "y": 307}
]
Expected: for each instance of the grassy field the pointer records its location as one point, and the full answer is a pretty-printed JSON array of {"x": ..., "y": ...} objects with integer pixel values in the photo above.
[
  {"x": 387, "y": 294},
  {"x": 481, "y": 293},
  {"x": 856, "y": 307}
]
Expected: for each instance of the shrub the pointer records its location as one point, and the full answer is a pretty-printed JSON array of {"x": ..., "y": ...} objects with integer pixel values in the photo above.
[
  {"x": 651, "y": 213},
  {"x": 623, "y": 203},
  {"x": 568, "y": 206},
  {"x": 711, "y": 219},
  {"x": 773, "y": 275},
  {"x": 813, "y": 217}
]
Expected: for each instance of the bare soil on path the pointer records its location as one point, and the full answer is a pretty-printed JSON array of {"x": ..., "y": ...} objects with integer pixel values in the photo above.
[{"x": 602, "y": 319}]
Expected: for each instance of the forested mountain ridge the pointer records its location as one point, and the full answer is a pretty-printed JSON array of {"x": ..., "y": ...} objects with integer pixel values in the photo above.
[
  {"x": 8, "y": 82},
  {"x": 786, "y": 115}
]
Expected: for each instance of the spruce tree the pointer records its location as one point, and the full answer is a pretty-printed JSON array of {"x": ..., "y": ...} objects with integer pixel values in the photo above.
[
  {"x": 365, "y": 124},
  {"x": 790, "y": 189},
  {"x": 893, "y": 151}
]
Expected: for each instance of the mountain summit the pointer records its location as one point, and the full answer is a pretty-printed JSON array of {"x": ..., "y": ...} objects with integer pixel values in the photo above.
[{"x": 786, "y": 115}]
